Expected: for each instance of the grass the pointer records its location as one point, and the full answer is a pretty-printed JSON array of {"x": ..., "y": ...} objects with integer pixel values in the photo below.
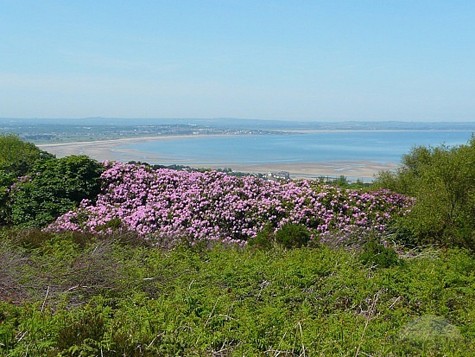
[{"x": 76, "y": 295}]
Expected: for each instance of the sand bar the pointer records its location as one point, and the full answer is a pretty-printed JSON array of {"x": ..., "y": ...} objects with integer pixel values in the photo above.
[{"x": 113, "y": 150}]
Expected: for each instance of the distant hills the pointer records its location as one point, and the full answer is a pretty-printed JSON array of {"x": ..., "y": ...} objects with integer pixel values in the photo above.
[
  {"x": 44, "y": 130},
  {"x": 245, "y": 123}
]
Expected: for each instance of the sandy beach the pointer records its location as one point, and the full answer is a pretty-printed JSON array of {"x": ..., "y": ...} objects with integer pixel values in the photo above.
[{"x": 112, "y": 150}]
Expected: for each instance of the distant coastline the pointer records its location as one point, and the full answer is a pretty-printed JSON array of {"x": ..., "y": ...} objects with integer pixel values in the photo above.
[
  {"x": 303, "y": 150},
  {"x": 111, "y": 150}
]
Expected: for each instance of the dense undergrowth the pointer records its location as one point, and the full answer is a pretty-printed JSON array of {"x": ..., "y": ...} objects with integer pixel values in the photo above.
[
  {"x": 75, "y": 295},
  {"x": 442, "y": 180},
  {"x": 137, "y": 265}
]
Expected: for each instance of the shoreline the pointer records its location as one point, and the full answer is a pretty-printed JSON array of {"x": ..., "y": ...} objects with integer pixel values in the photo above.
[
  {"x": 110, "y": 150},
  {"x": 127, "y": 140}
]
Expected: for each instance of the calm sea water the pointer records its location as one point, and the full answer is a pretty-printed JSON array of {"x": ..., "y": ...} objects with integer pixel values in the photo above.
[{"x": 377, "y": 146}]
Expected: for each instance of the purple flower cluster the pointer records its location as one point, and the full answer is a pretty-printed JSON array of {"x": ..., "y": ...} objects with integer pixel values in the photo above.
[{"x": 166, "y": 204}]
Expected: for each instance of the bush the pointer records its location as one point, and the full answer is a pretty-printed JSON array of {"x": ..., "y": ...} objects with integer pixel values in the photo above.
[
  {"x": 442, "y": 180},
  {"x": 17, "y": 157},
  {"x": 55, "y": 187},
  {"x": 115, "y": 300},
  {"x": 264, "y": 239},
  {"x": 30, "y": 238},
  {"x": 35, "y": 187},
  {"x": 164, "y": 205},
  {"x": 292, "y": 235},
  {"x": 82, "y": 331},
  {"x": 16, "y": 160},
  {"x": 374, "y": 253}
]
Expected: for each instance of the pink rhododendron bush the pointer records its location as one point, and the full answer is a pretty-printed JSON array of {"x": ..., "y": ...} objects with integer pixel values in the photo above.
[{"x": 166, "y": 204}]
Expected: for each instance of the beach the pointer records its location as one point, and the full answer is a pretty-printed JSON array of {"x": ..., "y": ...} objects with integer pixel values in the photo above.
[
  {"x": 113, "y": 150},
  {"x": 365, "y": 170}
]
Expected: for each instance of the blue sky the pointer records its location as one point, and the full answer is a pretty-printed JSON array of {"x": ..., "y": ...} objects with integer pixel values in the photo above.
[{"x": 293, "y": 60}]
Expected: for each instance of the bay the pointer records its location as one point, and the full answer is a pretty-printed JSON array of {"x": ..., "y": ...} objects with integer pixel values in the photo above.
[{"x": 381, "y": 146}]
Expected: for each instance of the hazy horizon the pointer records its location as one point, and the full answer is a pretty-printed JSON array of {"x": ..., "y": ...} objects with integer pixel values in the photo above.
[
  {"x": 309, "y": 121},
  {"x": 236, "y": 121},
  {"x": 322, "y": 61}
]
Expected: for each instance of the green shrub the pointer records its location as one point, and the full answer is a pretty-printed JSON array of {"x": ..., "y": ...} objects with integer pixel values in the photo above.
[
  {"x": 16, "y": 160},
  {"x": 55, "y": 186},
  {"x": 30, "y": 238},
  {"x": 375, "y": 253},
  {"x": 17, "y": 157},
  {"x": 292, "y": 235},
  {"x": 442, "y": 180},
  {"x": 264, "y": 239},
  {"x": 35, "y": 187},
  {"x": 82, "y": 331},
  {"x": 111, "y": 299}
]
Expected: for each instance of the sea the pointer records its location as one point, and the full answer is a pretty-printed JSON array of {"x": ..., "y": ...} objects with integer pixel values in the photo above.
[{"x": 378, "y": 146}]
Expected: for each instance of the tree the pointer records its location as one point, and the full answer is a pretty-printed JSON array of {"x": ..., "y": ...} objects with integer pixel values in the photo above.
[
  {"x": 54, "y": 187},
  {"x": 16, "y": 159},
  {"x": 17, "y": 156},
  {"x": 442, "y": 180}
]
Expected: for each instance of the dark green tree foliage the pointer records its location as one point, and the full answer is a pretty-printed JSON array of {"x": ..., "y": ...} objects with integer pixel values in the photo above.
[
  {"x": 16, "y": 159},
  {"x": 442, "y": 180},
  {"x": 292, "y": 235},
  {"x": 54, "y": 187},
  {"x": 264, "y": 239},
  {"x": 376, "y": 254},
  {"x": 289, "y": 236},
  {"x": 6, "y": 180}
]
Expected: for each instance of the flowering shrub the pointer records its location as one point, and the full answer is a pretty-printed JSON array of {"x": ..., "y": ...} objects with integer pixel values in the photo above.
[{"x": 167, "y": 204}]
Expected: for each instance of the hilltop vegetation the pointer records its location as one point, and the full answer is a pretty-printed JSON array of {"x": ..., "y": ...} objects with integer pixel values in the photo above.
[
  {"x": 74, "y": 295},
  {"x": 123, "y": 259},
  {"x": 163, "y": 205},
  {"x": 36, "y": 187},
  {"x": 442, "y": 180}
]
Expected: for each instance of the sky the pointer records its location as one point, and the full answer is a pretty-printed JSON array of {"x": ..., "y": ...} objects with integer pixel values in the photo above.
[{"x": 332, "y": 60}]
